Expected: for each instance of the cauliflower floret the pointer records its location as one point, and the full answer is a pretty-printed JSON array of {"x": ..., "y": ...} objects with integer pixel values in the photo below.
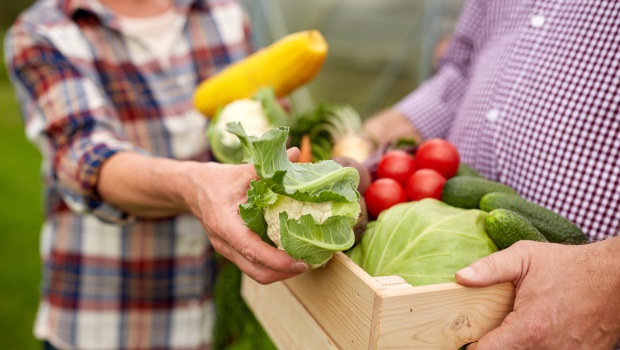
[
  {"x": 249, "y": 113},
  {"x": 295, "y": 209}
]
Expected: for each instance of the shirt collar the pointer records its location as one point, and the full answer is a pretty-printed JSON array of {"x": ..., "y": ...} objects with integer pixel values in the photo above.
[{"x": 71, "y": 7}]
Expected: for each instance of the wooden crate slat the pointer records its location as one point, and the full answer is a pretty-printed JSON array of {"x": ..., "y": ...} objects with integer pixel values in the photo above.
[
  {"x": 284, "y": 318},
  {"x": 340, "y": 306},
  {"x": 441, "y": 316},
  {"x": 341, "y": 297}
]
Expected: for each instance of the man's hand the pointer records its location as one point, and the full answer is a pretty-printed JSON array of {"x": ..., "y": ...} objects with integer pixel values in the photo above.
[
  {"x": 389, "y": 125},
  {"x": 566, "y": 296},
  {"x": 218, "y": 189}
]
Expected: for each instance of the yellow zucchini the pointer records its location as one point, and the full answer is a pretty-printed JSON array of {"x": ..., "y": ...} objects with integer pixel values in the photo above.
[{"x": 284, "y": 65}]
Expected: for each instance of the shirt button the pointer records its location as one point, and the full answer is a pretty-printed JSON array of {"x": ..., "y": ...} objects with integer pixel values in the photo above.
[
  {"x": 492, "y": 115},
  {"x": 537, "y": 21}
]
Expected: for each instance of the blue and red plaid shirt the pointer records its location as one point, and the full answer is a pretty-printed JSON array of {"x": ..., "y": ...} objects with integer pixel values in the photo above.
[{"x": 87, "y": 91}]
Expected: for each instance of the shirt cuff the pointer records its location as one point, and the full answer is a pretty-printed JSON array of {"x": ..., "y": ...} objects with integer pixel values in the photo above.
[{"x": 85, "y": 198}]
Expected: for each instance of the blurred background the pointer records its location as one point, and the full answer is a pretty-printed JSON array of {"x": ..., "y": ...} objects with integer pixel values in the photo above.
[{"x": 378, "y": 52}]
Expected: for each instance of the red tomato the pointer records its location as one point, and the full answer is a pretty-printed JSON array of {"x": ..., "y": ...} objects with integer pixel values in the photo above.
[
  {"x": 397, "y": 165},
  {"x": 439, "y": 155},
  {"x": 382, "y": 194},
  {"x": 425, "y": 183}
]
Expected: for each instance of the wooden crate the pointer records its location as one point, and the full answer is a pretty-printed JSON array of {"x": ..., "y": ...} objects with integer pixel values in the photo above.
[{"x": 340, "y": 306}]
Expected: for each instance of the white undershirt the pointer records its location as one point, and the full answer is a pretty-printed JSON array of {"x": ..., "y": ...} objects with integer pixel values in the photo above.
[{"x": 159, "y": 33}]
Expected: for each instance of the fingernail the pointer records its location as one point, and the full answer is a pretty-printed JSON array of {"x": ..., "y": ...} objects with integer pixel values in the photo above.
[
  {"x": 467, "y": 272},
  {"x": 300, "y": 267}
]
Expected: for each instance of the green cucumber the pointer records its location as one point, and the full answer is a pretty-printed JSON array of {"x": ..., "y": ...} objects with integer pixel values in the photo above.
[
  {"x": 554, "y": 227},
  {"x": 466, "y": 170},
  {"x": 466, "y": 191},
  {"x": 506, "y": 227}
]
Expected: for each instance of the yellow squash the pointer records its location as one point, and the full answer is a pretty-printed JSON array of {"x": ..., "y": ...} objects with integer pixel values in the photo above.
[{"x": 284, "y": 65}]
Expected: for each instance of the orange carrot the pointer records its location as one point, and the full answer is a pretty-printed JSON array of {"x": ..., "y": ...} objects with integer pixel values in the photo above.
[{"x": 305, "y": 149}]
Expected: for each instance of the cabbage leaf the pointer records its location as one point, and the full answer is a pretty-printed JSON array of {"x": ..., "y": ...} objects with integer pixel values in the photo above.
[
  {"x": 424, "y": 242},
  {"x": 308, "y": 210}
]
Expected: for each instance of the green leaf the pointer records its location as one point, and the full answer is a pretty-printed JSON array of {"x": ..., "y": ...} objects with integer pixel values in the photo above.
[
  {"x": 309, "y": 182},
  {"x": 273, "y": 110},
  {"x": 232, "y": 154},
  {"x": 259, "y": 197},
  {"x": 310, "y": 209},
  {"x": 315, "y": 243}
]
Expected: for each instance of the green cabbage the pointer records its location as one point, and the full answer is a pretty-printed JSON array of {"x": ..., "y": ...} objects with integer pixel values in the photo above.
[
  {"x": 258, "y": 115},
  {"x": 424, "y": 242},
  {"x": 308, "y": 210}
]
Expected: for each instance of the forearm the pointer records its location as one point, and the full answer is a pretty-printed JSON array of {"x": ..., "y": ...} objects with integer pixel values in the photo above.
[
  {"x": 144, "y": 186},
  {"x": 390, "y": 125}
]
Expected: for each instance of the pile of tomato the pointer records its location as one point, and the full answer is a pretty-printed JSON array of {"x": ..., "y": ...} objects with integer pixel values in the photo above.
[{"x": 403, "y": 177}]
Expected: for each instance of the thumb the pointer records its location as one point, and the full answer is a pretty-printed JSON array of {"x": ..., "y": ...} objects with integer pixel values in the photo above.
[
  {"x": 293, "y": 154},
  {"x": 507, "y": 265}
]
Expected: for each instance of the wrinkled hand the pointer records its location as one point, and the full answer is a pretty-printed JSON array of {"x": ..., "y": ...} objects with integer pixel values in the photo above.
[
  {"x": 219, "y": 189},
  {"x": 566, "y": 296}
]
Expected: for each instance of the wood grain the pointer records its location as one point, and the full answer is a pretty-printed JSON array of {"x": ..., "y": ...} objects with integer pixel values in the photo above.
[
  {"x": 340, "y": 296},
  {"x": 442, "y": 316},
  {"x": 284, "y": 318},
  {"x": 341, "y": 306}
]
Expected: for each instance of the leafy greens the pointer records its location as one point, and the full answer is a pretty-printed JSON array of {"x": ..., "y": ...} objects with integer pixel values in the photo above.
[
  {"x": 424, "y": 242},
  {"x": 306, "y": 209}
]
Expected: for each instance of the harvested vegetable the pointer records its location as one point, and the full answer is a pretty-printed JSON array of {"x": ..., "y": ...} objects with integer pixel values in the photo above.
[
  {"x": 361, "y": 169},
  {"x": 424, "y": 242},
  {"x": 505, "y": 227},
  {"x": 306, "y": 209},
  {"x": 305, "y": 150},
  {"x": 439, "y": 155},
  {"x": 397, "y": 165},
  {"x": 425, "y": 183},
  {"x": 335, "y": 131},
  {"x": 383, "y": 194},
  {"x": 285, "y": 65},
  {"x": 352, "y": 146},
  {"x": 257, "y": 115}
]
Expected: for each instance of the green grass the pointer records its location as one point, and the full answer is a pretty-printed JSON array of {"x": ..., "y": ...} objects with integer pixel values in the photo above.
[{"x": 20, "y": 222}]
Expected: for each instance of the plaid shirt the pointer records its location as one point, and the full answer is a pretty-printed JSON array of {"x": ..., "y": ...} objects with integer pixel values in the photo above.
[
  {"x": 88, "y": 91},
  {"x": 529, "y": 91}
]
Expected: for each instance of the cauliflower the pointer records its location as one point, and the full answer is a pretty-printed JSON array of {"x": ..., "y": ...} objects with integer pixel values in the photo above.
[
  {"x": 249, "y": 113},
  {"x": 295, "y": 209},
  {"x": 307, "y": 210},
  {"x": 257, "y": 115}
]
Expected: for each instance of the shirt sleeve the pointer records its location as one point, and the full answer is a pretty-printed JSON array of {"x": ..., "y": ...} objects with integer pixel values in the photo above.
[
  {"x": 67, "y": 116},
  {"x": 431, "y": 108}
]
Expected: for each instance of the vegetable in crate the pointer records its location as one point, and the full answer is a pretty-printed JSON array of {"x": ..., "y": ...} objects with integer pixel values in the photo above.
[
  {"x": 467, "y": 191},
  {"x": 285, "y": 65},
  {"x": 257, "y": 115},
  {"x": 306, "y": 209},
  {"x": 383, "y": 194},
  {"x": 398, "y": 165},
  {"x": 335, "y": 131},
  {"x": 506, "y": 227},
  {"x": 553, "y": 226},
  {"x": 424, "y": 242},
  {"x": 439, "y": 155},
  {"x": 425, "y": 183}
]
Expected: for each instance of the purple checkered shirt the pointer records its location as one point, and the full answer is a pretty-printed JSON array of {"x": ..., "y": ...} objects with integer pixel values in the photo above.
[
  {"x": 88, "y": 91},
  {"x": 529, "y": 91}
]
